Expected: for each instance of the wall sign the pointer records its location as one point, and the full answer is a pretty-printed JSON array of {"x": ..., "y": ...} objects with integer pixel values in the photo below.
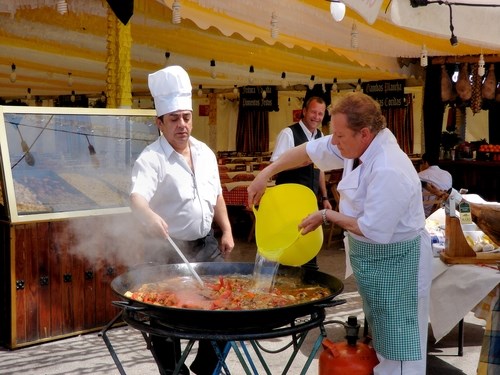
[
  {"x": 251, "y": 97},
  {"x": 388, "y": 93}
]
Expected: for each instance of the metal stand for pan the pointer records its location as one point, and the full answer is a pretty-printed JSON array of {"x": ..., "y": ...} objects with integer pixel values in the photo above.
[{"x": 297, "y": 329}]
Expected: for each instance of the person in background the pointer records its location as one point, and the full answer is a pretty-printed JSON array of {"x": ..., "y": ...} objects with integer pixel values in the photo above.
[
  {"x": 381, "y": 211},
  {"x": 308, "y": 175},
  {"x": 439, "y": 179},
  {"x": 176, "y": 192}
]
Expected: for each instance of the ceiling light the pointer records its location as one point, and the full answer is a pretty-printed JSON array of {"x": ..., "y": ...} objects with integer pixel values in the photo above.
[
  {"x": 213, "y": 73},
  {"x": 264, "y": 93},
  {"x": 480, "y": 66},
  {"x": 176, "y": 12},
  {"x": 337, "y": 9},
  {"x": 323, "y": 87},
  {"x": 311, "y": 82},
  {"x": 235, "y": 90},
  {"x": 62, "y": 7},
  {"x": 70, "y": 80},
  {"x": 13, "y": 74},
  {"x": 200, "y": 90},
  {"x": 335, "y": 87},
  {"x": 454, "y": 77},
  {"x": 251, "y": 72},
  {"x": 453, "y": 39},
  {"x": 284, "y": 83},
  {"x": 274, "y": 26},
  {"x": 73, "y": 97},
  {"x": 358, "y": 86},
  {"x": 423, "y": 57},
  {"x": 28, "y": 95},
  {"x": 354, "y": 36}
]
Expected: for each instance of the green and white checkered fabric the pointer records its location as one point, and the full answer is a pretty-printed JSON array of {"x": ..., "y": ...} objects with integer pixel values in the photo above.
[{"x": 387, "y": 278}]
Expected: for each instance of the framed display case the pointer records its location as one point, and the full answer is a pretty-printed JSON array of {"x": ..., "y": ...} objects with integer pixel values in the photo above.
[
  {"x": 59, "y": 163},
  {"x": 66, "y": 229}
]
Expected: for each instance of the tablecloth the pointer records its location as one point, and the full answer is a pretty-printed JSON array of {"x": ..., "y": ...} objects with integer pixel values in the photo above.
[{"x": 456, "y": 290}]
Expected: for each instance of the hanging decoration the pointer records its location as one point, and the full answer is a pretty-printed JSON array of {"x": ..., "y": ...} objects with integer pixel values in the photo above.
[{"x": 123, "y": 9}]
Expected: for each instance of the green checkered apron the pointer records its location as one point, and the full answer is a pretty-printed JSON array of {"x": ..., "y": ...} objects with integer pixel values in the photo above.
[{"x": 387, "y": 278}]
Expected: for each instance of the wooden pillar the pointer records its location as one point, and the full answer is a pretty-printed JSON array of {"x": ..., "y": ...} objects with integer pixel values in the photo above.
[{"x": 118, "y": 80}]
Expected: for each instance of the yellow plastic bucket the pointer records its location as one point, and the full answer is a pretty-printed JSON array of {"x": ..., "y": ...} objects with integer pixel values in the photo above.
[{"x": 280, "y": 211}]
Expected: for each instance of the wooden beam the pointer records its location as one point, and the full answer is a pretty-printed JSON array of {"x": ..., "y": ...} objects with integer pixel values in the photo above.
[{"x": 439, "y": 60}]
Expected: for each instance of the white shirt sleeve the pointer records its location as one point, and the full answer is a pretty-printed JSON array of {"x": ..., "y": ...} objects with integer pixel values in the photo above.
[
  {"x": 284, "y": 142},
  {"x": 324, "y": 154}
]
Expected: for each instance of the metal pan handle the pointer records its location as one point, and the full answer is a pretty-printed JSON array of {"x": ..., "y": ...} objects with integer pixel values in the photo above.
[
  {"x": 125, "y": 305},
  {"x": 331, "y": 303}
]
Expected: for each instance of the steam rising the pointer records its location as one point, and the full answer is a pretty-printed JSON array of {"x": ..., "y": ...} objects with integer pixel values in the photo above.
[{"x": 111, "y": 241}]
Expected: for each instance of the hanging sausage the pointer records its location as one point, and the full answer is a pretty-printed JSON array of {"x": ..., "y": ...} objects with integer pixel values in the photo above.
[
  {"x": 463, "y": 86},
  {"x": 446, "y": 85},
  {"x": 476, "y": 99},
  {"x": 490, "y": 84}
]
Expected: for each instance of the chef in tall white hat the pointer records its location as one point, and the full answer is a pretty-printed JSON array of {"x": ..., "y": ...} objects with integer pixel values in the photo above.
[{"x": 176, "y": 192}]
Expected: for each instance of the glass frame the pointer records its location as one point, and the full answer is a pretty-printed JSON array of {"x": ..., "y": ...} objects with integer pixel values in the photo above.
[{"x": 59, "y": 163}]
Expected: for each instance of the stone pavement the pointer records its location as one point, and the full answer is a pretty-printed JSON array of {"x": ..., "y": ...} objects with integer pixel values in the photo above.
[{"x": 88, "y": 354}]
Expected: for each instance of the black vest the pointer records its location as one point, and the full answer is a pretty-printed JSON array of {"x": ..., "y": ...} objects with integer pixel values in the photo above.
[{"x": 308, "y": 175}]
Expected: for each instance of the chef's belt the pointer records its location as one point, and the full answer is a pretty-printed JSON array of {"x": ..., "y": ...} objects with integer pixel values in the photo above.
[{"x": 387, "y": 278}]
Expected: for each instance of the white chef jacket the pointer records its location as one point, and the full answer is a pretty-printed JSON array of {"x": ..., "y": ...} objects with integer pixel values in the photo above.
[
  {"x": 383, "y": 193},
  {"x": 185, "y": 200},
  {"x": 285, "y": 140}
]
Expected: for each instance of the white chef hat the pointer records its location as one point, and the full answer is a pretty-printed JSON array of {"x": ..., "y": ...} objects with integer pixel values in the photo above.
[{"x": 171, "y": 90}]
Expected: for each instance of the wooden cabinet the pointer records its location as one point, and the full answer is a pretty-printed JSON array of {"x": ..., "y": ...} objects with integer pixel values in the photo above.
[
  {"x": 55, "y": 289},
  {"x": 479, "y": 177}
]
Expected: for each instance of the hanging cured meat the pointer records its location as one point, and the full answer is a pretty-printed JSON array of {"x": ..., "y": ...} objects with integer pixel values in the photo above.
[
  {"x": 490, "y": 84},
  {"x": 463, "y": 86},
  {"x": 451, "y": 123},
  {"x": 446, "y": 85},
  {"x": 476, "y": 99}
]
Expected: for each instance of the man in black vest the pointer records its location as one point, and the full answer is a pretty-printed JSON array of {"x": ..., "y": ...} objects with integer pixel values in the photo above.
[{"x": 303, "y": 131}]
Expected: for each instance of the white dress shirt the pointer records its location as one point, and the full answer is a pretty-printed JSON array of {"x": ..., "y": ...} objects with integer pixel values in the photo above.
[
  {"x": 285, "y": 140},
  {"x": 184, "y": 199}
]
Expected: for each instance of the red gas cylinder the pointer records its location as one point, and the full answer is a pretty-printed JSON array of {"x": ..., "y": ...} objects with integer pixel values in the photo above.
[{"x": 349, "y": 357}]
